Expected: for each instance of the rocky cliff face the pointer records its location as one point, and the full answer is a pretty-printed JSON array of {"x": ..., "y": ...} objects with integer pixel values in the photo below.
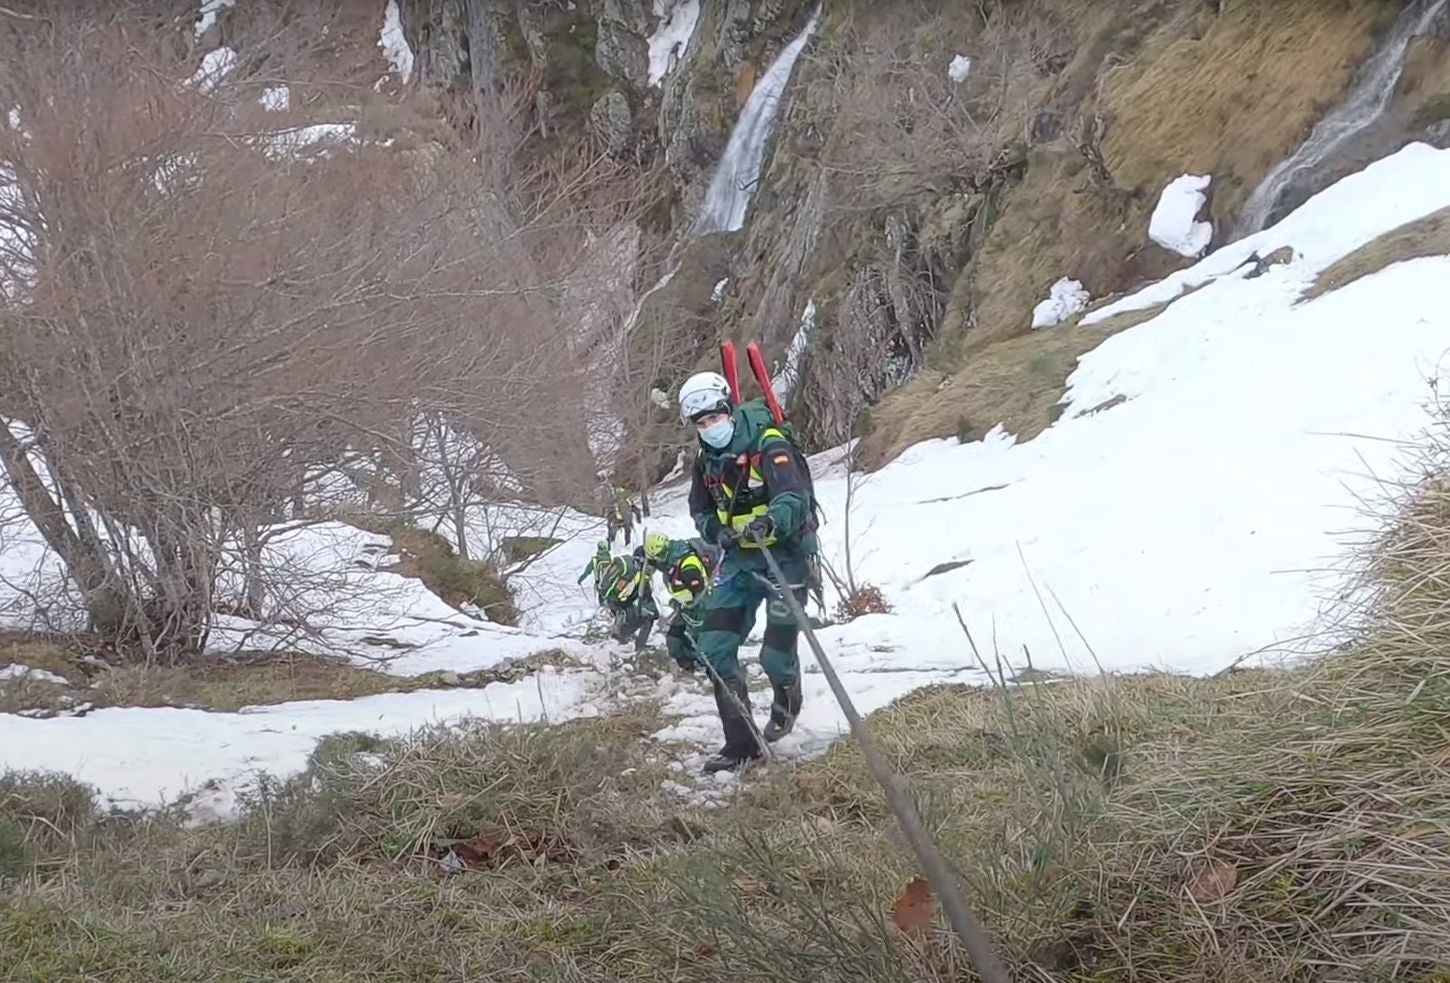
[{"x": 936, "y": 168}]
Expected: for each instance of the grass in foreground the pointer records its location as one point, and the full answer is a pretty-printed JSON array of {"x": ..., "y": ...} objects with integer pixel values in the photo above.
[
  {"x": 1152, "y": 828},
  {"x": 1290, "y": 825}
]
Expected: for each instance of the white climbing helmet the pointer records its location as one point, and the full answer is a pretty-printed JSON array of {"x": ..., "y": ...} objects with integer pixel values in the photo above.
[{"x": 704, "y": 392}]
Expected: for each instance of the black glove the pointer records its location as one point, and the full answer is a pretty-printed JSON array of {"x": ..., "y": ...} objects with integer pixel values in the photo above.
[
  {"x": 726, "y": 538},
  {"x": 761, "y": 527},
  {"x": 686, "y": 663}
]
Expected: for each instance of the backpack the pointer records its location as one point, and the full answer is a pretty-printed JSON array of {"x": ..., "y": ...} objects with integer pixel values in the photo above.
[{"x": 816, "y": 518}]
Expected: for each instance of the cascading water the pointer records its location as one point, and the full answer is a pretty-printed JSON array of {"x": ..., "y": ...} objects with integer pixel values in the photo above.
[
  {"x": 1369, "y": 97},
  {"x": 733, "y": 183},
  {"x": 732, "y": 186}
]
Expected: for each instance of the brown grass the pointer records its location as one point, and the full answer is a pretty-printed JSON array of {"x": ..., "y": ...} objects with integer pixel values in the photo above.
[
  {"x": 39, "y": 652},
  {"x": 1424, "y": 92},
  {"x": 1058, "y": 221},
  {"x": 232, "y": 683},
  {"x": 1233, "y": 97},
  {"x": 1252, "y": 825},
  {"x": 221, "y": 683},
  {"x": 1428, "y": 236},
  {"x": 1178, "y": 88},
  {"x": 1016, "y": 383},
  {"x": 430, "y": 558}
]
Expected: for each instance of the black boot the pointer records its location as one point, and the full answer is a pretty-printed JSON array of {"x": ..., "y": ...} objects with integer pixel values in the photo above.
[
  {"x": 783, "y": 711},
  {"x": 733, "y": 706}
]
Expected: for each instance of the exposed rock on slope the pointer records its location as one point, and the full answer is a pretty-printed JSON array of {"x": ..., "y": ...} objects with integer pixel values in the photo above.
[{"x": 925, "y": 216}]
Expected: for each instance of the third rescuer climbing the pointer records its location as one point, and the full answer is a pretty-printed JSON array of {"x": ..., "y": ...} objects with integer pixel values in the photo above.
[{"x": 750, "y": 482}]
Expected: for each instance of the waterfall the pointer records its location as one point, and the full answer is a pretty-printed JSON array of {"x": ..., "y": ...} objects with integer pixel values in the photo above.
[
  {"x": 733, "y": 183},
  {"x": 732, "y": 186},
  {"x": 1371, "y": 93}
]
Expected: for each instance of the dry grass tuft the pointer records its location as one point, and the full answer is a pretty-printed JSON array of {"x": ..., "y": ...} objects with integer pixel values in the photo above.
[
  {"x": 1016, "y": 382},
  {"x": 432, "y": 559},
  {"x": 1428, "y": 236},
  {"x": 230, "y": 683},
  {"x": 864, "y": 599},
  {"x": 1230, "y": 94},
  {"x": 223, "y": 683}
]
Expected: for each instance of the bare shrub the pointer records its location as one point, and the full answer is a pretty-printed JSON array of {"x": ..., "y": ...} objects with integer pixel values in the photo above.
[
  {"x": 861, "y": 600},
  {"x": 900, "y": 125},
  {"x": 204, "y": 316}
]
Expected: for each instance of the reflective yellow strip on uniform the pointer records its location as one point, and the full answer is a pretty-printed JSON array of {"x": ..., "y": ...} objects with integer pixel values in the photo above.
[
  {"x": 739, "y": 522},
  {"x": 683, "y": 595}
]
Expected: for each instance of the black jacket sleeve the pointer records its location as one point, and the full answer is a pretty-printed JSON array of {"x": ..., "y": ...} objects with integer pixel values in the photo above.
[
  {"x": 702, "y": 504},
  {"x": 787, "y": 483}
]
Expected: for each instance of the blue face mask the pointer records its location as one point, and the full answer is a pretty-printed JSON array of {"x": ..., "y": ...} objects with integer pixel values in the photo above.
[{"x": 718, "y": 434}]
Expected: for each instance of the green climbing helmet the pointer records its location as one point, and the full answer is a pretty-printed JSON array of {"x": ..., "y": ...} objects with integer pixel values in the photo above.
[
  {"x": 602, "y": 550},
  {"x": 656, "y": 544}
]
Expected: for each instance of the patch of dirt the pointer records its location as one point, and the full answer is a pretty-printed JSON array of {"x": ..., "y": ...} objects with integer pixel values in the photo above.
[{"x": 212, "y": 682}]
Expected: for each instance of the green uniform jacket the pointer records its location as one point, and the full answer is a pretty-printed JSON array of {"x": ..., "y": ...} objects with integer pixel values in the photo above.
[{"x": 774, "y": 479}]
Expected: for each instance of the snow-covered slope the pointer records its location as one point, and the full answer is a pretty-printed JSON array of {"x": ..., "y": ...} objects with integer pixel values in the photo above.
[
  {"x": 1187, "y": 510},
  {"x": 154, "y": 755}
]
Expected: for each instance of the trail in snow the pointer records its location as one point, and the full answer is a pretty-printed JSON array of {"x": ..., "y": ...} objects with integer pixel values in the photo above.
[
  {"x": 1198, "y": 520},
  {"x": 1186, "y": 510}
]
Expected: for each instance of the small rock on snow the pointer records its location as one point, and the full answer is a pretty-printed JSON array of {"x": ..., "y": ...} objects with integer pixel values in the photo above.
[
  {"x": 1067, "y": 298},
  {"x": 1175, "y": 224}
]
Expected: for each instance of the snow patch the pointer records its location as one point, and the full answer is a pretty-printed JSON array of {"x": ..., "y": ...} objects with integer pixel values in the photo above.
[
  {"x": 718, "y": 293},
  {"x": 1067, "y": 298},
  {"x": 136, "y": 757},
  {"x": 676, "y": 25},
  {"x": 276, "y": 98},
  {"x": 394, "y": 43},
  {"x": 210, "y": 11},
  {"x": 215, "y": 66},
  {"x": 317, "y": 139},
  {"x": 1400, "y": 188},
  {"x": 788, "y": 378},
  {"x": 1175, "y": 224},
  {"x": 959, "y": 69},
  {"x": 17, "y": 671}
]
